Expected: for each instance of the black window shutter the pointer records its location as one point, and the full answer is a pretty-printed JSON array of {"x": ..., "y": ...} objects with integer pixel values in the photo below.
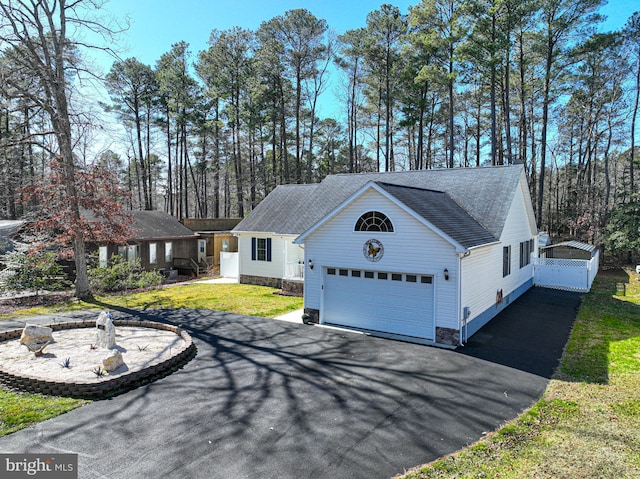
[
  {"x": 253, "y": 248},
  {"x": 268, "y": 249}
]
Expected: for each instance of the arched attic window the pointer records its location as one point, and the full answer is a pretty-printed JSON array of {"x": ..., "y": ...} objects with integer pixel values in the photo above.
[{"x": 374, "y": 221}]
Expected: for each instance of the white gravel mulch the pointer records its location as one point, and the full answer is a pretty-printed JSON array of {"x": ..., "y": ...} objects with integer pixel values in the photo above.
[{"x": 140, "y": 347}]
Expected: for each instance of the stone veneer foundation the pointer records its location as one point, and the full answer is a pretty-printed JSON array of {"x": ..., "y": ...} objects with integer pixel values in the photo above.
[
  {"x": 293, "y": 287},
  {"x": 261, "y": 281},
  {"x": 447, "y": 336},
  {"x": 313, "y": 315}
]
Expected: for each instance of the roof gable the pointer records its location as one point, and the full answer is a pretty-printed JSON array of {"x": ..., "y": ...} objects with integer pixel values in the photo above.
[
  {"x": 485, "y": 194},
  {"x": 434, "y": 209}
]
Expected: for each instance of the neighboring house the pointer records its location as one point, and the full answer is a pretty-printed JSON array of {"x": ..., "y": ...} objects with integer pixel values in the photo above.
[
  {"x": 8, "y": 228},
  {"x": 428, "y": 256},
  {"x": 160, "y": 242},
  {"x": 215, "y": 237},
  {"x": 268, "y": 256}
]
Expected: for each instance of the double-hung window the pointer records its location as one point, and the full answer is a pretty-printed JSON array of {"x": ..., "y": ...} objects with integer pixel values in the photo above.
[
  {"x": 261, "y": 249},
  {"x": 506, "y": 261},
  {"x": 526, "y": 248}
]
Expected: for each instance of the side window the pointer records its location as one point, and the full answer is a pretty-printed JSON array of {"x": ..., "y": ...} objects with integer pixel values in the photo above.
[
  {"x": 526, "y": 248},
  {"x": 153, "y": 253},
  {"x": 133, "y": 253},
  {"x": 168, "y": 252},
  {"x": 129, "y": 253},
  {"x": 261, "y": 249},
  {"x": 506, "y": 261},
  {"x": 102, "y": 256}
]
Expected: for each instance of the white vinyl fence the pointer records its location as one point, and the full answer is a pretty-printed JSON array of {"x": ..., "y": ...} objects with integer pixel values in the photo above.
[
  {"x": 229, "y": 265},
  {"x": 566, "y": 274}
]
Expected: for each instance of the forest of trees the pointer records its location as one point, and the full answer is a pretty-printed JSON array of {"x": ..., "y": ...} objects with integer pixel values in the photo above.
[{"x": 451, "y": 83}]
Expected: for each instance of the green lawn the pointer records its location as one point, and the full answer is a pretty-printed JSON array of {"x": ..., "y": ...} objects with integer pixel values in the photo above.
[
  {"x": 588, "y": 422},
  {"x": 238, "y": 298},
  {"x": 19, "y": 410}
]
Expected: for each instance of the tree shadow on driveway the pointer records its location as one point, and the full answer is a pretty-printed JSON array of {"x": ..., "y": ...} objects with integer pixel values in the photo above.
[{"x": 266, "y": 398}]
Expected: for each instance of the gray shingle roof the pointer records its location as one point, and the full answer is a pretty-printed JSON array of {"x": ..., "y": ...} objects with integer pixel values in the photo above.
[
  {"x": 442, "y": 212},
  {"x": 157, "y": 225},
  {"x": 283, "y": 211},
  {"x": 484, "y": 193}
]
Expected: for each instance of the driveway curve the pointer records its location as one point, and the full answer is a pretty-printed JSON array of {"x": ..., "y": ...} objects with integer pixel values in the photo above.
[{"x": 271, "y": 399}]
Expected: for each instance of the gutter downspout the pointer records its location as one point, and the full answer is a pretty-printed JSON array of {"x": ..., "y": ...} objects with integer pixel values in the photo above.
[
  {"x": 460, "y": 319},
  {"x": 284, "y": 257},
  {"x": 237, "y": 235}
]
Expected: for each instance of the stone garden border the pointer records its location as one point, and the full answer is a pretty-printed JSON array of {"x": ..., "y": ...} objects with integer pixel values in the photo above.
[{"x": 106, "y": 387}]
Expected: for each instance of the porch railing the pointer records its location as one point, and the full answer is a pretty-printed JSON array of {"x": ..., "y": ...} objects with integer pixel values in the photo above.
[{"x": 294, "y": 271}]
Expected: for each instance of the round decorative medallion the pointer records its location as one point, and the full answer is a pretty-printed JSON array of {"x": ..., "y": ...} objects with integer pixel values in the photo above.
[{"x": 373, "y": 250}]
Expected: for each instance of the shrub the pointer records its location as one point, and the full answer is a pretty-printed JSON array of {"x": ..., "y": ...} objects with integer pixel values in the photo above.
[
  {"x": 34, "y": 271},
  {"x": 121, "y": 275}
]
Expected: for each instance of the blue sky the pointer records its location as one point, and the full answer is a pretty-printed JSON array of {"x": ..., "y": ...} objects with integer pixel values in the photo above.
[{"x": 157, "y": 24}]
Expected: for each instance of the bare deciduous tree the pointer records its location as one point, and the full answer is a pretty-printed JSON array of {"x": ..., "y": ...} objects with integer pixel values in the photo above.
[{"x": 34, "y": 37}]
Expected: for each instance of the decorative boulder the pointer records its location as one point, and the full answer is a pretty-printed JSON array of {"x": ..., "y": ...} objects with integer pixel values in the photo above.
[
  {"x": 105, "y": 331},
  {"x": 112, "y": 361},
  {"x": 36, "y": 336}
]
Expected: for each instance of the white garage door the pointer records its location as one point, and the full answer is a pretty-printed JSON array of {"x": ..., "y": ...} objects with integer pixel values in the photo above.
[{"x": 379, "y": 301}]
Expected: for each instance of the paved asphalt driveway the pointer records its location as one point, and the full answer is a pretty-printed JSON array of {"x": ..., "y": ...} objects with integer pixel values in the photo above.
[{"x": 270, "y": 399}]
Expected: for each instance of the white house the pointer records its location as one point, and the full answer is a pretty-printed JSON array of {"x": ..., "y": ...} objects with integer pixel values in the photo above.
[
  {"x": 268, "y": 256},
  {"x": 427, "y": 256}
]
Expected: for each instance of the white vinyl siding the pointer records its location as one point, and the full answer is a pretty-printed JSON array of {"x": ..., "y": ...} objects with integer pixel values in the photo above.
[
  {"x": 482, "y": 269},
  {"x": 281, "y": 246},
  {"x": 481, "y": 278},
  {"x": 517, "y": 228},
  {"x": 411, "y": 249}
]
